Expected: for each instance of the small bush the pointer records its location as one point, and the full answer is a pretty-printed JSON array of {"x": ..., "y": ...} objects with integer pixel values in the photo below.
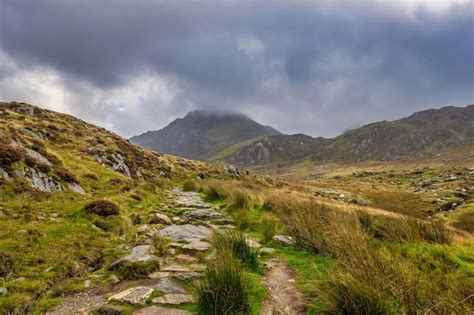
[
  {"x": 138, "y": 270},
  {"x": 9, "y": 154},
  {"x": 224, "y": 289},
  {"x": 91, "y": 176},
  {"x": 236, "y": 243},
  {"x": 189, "y": 185},
  {"x": 34, "y": 163},
  {"x": 66, "y": 175},
  {"x": 102, "y": 208},
  {"x": 160, "y": 243},
  {"x": 6, "y": 264}
]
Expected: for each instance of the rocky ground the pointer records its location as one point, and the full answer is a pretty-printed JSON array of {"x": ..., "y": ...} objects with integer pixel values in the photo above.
[{"x": 168, "y": 290}]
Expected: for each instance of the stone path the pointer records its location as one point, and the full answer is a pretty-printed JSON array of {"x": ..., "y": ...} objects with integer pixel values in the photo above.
[{"x": 190, "y": 228}]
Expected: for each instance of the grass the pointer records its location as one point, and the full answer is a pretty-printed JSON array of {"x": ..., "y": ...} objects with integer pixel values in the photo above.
[
  {"x": 224, "y": 290},
  {"x": 237, "y": 243}
]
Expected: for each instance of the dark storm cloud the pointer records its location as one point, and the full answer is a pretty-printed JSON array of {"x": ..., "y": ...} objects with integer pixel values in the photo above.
[{"x": 316, "y": 67}]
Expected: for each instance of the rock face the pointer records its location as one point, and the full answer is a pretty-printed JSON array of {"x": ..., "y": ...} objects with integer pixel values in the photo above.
[
  {"x": 186, "y": 233},
  {"x": 139, "y": 254},
  {"x": 136, "y": 295},
  {"x": 40, "y": 180}
]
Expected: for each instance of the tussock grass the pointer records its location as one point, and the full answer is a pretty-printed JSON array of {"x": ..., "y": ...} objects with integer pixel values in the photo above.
[
  {"x": 373, "y": 276},
  {"x": 189, "y": 185},
  {"x": 224, "y": 289},
  {"x": 236, "y": 242}
]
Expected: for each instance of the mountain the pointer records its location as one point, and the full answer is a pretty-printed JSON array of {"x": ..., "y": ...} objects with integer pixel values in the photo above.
[
  {"x": 202, "y": 134},
  {"x": 424, "y": 134}
]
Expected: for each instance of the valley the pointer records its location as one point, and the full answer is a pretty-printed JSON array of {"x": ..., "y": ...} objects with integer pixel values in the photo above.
[{"x": 93, "y": 224}]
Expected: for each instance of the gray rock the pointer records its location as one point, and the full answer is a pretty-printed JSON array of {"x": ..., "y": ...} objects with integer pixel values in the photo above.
[
  {"x": 37, "y": 156},
  {"x": 2, "y": 215},
  {"x": 361, "y": 202},
  {"x": 159, "y": 218},
  {"x": 3, "y": 291},
  {"x": 139, "y": 254},
  {"x": 166, "y": 285},
  {"x": 174, "y": 299},
  {"x": 189, "y": 199},
  {"x": 202, "y": 214},
  {"x": 183, "y": 276},
  {"x": 196, "y": 246},
  {"x": 136, "y": 295},
  {"x": 77, "y": 188},
  {"x": 283, "y": 240},
  {"x": 5, "y": 175},
  {"x": 267, "y": 251},
  {"x": 186, "y": 233},
  {"x": 41, "y": 181},
  {"x": 157, "y": 310}
]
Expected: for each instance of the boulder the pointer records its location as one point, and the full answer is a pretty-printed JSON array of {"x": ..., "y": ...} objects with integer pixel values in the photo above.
[
  {"x": 159, "y": 218},
  {"x": 136, "y": 295},
  {"x": 283, "y": 240},
  {"x": 186, "y": 233}
]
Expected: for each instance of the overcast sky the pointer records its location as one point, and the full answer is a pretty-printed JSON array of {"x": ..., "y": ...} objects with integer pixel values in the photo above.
[{"x": 317, "y": 67}]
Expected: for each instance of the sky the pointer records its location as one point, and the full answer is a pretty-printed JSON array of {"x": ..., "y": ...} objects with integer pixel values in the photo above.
[{"x": 315, "y": 67}]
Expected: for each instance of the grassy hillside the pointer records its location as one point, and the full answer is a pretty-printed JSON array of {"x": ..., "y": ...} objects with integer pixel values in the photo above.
[{"x": 48, "y": 241}]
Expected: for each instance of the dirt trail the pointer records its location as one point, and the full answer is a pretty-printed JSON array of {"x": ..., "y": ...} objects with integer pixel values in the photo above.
[{"x": 283, "y": 297}]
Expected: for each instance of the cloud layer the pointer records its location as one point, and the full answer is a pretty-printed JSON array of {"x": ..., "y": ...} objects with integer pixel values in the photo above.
[{"x": 316, "y": 67}]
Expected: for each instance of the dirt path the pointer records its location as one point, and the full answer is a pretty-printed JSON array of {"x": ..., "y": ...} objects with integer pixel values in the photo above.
[{"x": 283, "y": 297}]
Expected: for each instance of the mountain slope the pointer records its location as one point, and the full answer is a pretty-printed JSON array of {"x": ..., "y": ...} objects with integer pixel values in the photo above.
[
  {"x": 421, "y": 135},
  {"x": 201, "y": 134},
  {"x": 51, "y": 166}
]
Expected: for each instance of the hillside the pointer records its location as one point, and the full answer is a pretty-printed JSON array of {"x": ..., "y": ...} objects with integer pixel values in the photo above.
[
  {"x": 51, "y": 166},
  {"x": 201, "y": 134},
  {"x": 422, "y": 135}
]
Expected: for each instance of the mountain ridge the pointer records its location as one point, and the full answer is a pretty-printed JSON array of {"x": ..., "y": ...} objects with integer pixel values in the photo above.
[{"x": 201, "y": 134}]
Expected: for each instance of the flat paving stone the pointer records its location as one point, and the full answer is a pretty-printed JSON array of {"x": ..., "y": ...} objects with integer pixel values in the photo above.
[{"x": 157, "y": 310}]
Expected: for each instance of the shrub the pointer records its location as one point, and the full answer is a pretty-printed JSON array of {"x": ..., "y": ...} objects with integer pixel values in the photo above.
[
  {"x": 236, "y": 243},
  {"x": 138, "y": 270},
  {"x": 66, "y": 175},
  {"x": 189, "y": 185},
  {"x": 9, "y": 154},
  {"x": 224, "y": 289},
  {"x": 6, "y": 264},
  {"x": 102, "y": 208},
  {"x": 31, "y": 162}
]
